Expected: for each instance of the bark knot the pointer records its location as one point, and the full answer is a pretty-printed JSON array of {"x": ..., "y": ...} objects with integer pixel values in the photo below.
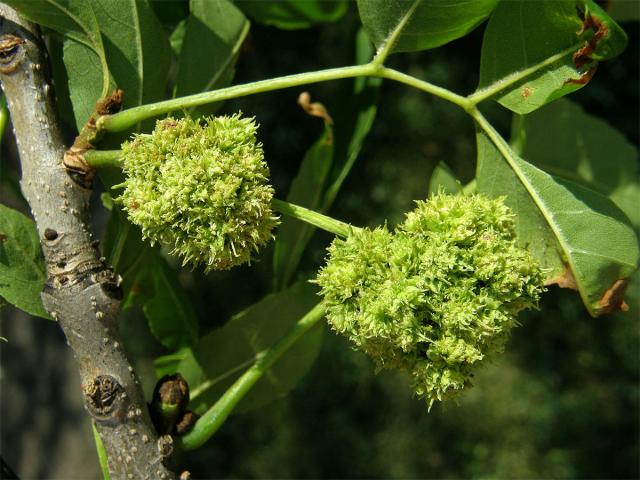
[
  {"x": 104, "y": 399},
  {"x": 11, "y": 52}
]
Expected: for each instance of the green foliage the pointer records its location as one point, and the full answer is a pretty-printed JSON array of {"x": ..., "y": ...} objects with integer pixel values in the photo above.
[
  {"x": 306, "y": 190},
  {"x": 443, "y": 180},
  {"x": 437, "y": 296},
  {"x": 77, "y": 21},
  {"x": 564, "y": 140},
  {"x": 22, "y": 270},
  {"x": 201, "y": 189},
  {"x": 220, "y": 357},
  {"x": 293, "y": 14},
  {"x": 561, "y": 41},
  {"x": 136, "y": 48},
  {"x": 573, "y": 224},
  {"x": 201, "y": 69},
  {"x": 424, "y": 24}
]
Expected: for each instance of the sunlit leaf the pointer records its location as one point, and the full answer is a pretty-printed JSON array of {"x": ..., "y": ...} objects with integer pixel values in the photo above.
[
  {"x": 578, "y": 234},
  {"x": 567, "y": 142},
  {"x": 536, "y": 52},
  {"x": 138, "y": 51},
  {"x": 75, "y": 19}
]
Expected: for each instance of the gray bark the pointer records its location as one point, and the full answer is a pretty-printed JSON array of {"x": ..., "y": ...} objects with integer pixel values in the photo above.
[{"x": 81, "y": 293}]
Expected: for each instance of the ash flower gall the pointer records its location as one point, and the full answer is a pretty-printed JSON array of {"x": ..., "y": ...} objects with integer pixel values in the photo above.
[
  {"x": 438, "y": 296},
  {"x": 201, "y": 188}
]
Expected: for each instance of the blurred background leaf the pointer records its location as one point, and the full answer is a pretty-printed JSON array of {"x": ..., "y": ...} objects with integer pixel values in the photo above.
[{"x": 293, "y": 14}]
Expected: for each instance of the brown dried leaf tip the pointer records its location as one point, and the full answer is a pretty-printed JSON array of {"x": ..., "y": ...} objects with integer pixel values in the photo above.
[
  {"x": 564, "y": 280},
  {"x": 613, "y": 298}
]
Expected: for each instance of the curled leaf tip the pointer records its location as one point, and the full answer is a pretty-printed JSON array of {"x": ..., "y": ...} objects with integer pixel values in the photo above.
[
  {"x": 201, "y": 188},
  {"x": 438, "y": 296}
]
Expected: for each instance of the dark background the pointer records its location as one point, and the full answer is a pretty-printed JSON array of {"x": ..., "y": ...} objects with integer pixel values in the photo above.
[{"x": 562, "y": 402}]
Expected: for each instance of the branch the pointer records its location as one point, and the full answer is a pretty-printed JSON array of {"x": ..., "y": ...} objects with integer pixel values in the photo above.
[{"x": 81, "y": 293}]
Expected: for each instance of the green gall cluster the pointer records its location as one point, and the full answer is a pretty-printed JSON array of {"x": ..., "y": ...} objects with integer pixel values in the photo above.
[
  {"x": 437, "y": 296},
  {"x": 201, "y": 188}
]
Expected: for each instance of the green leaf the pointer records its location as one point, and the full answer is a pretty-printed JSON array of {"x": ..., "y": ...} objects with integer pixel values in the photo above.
[
  {"x": 567, "y": 142},
  {"x": 294, "y": 14},
  {"x": 226, "y": 352},
  {"x": 84, "y": 73},
  {"x": 306, "y": 190},
  {"x": 171, "y": 317},
  {"x": 536, "y": 52},
  {"x": 408, "y": 26},
  {"x": 577, "y": 233},
  {"x": 137, "y": 51},
  {"x": 102, "y": 453},
  {"x": 22, "y": 270},
  {"x": 443, "y": 179},
  {"x": 137, "y": 48},
  {"x": 75, "y": 19},
  {"x": 202, "y": 69},
  {"x": 149, "y": 281}
]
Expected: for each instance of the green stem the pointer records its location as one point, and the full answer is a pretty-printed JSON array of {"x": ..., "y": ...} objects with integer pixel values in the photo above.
[
  {"x": 128, "y": 118},
  {"x": 425, "y": 86},
  {"x": 103, "y": 158},
  {"x": 209, "y": 423},
  {"x": 509, "y": 80},
  {"x": 316, "y": 219}
]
